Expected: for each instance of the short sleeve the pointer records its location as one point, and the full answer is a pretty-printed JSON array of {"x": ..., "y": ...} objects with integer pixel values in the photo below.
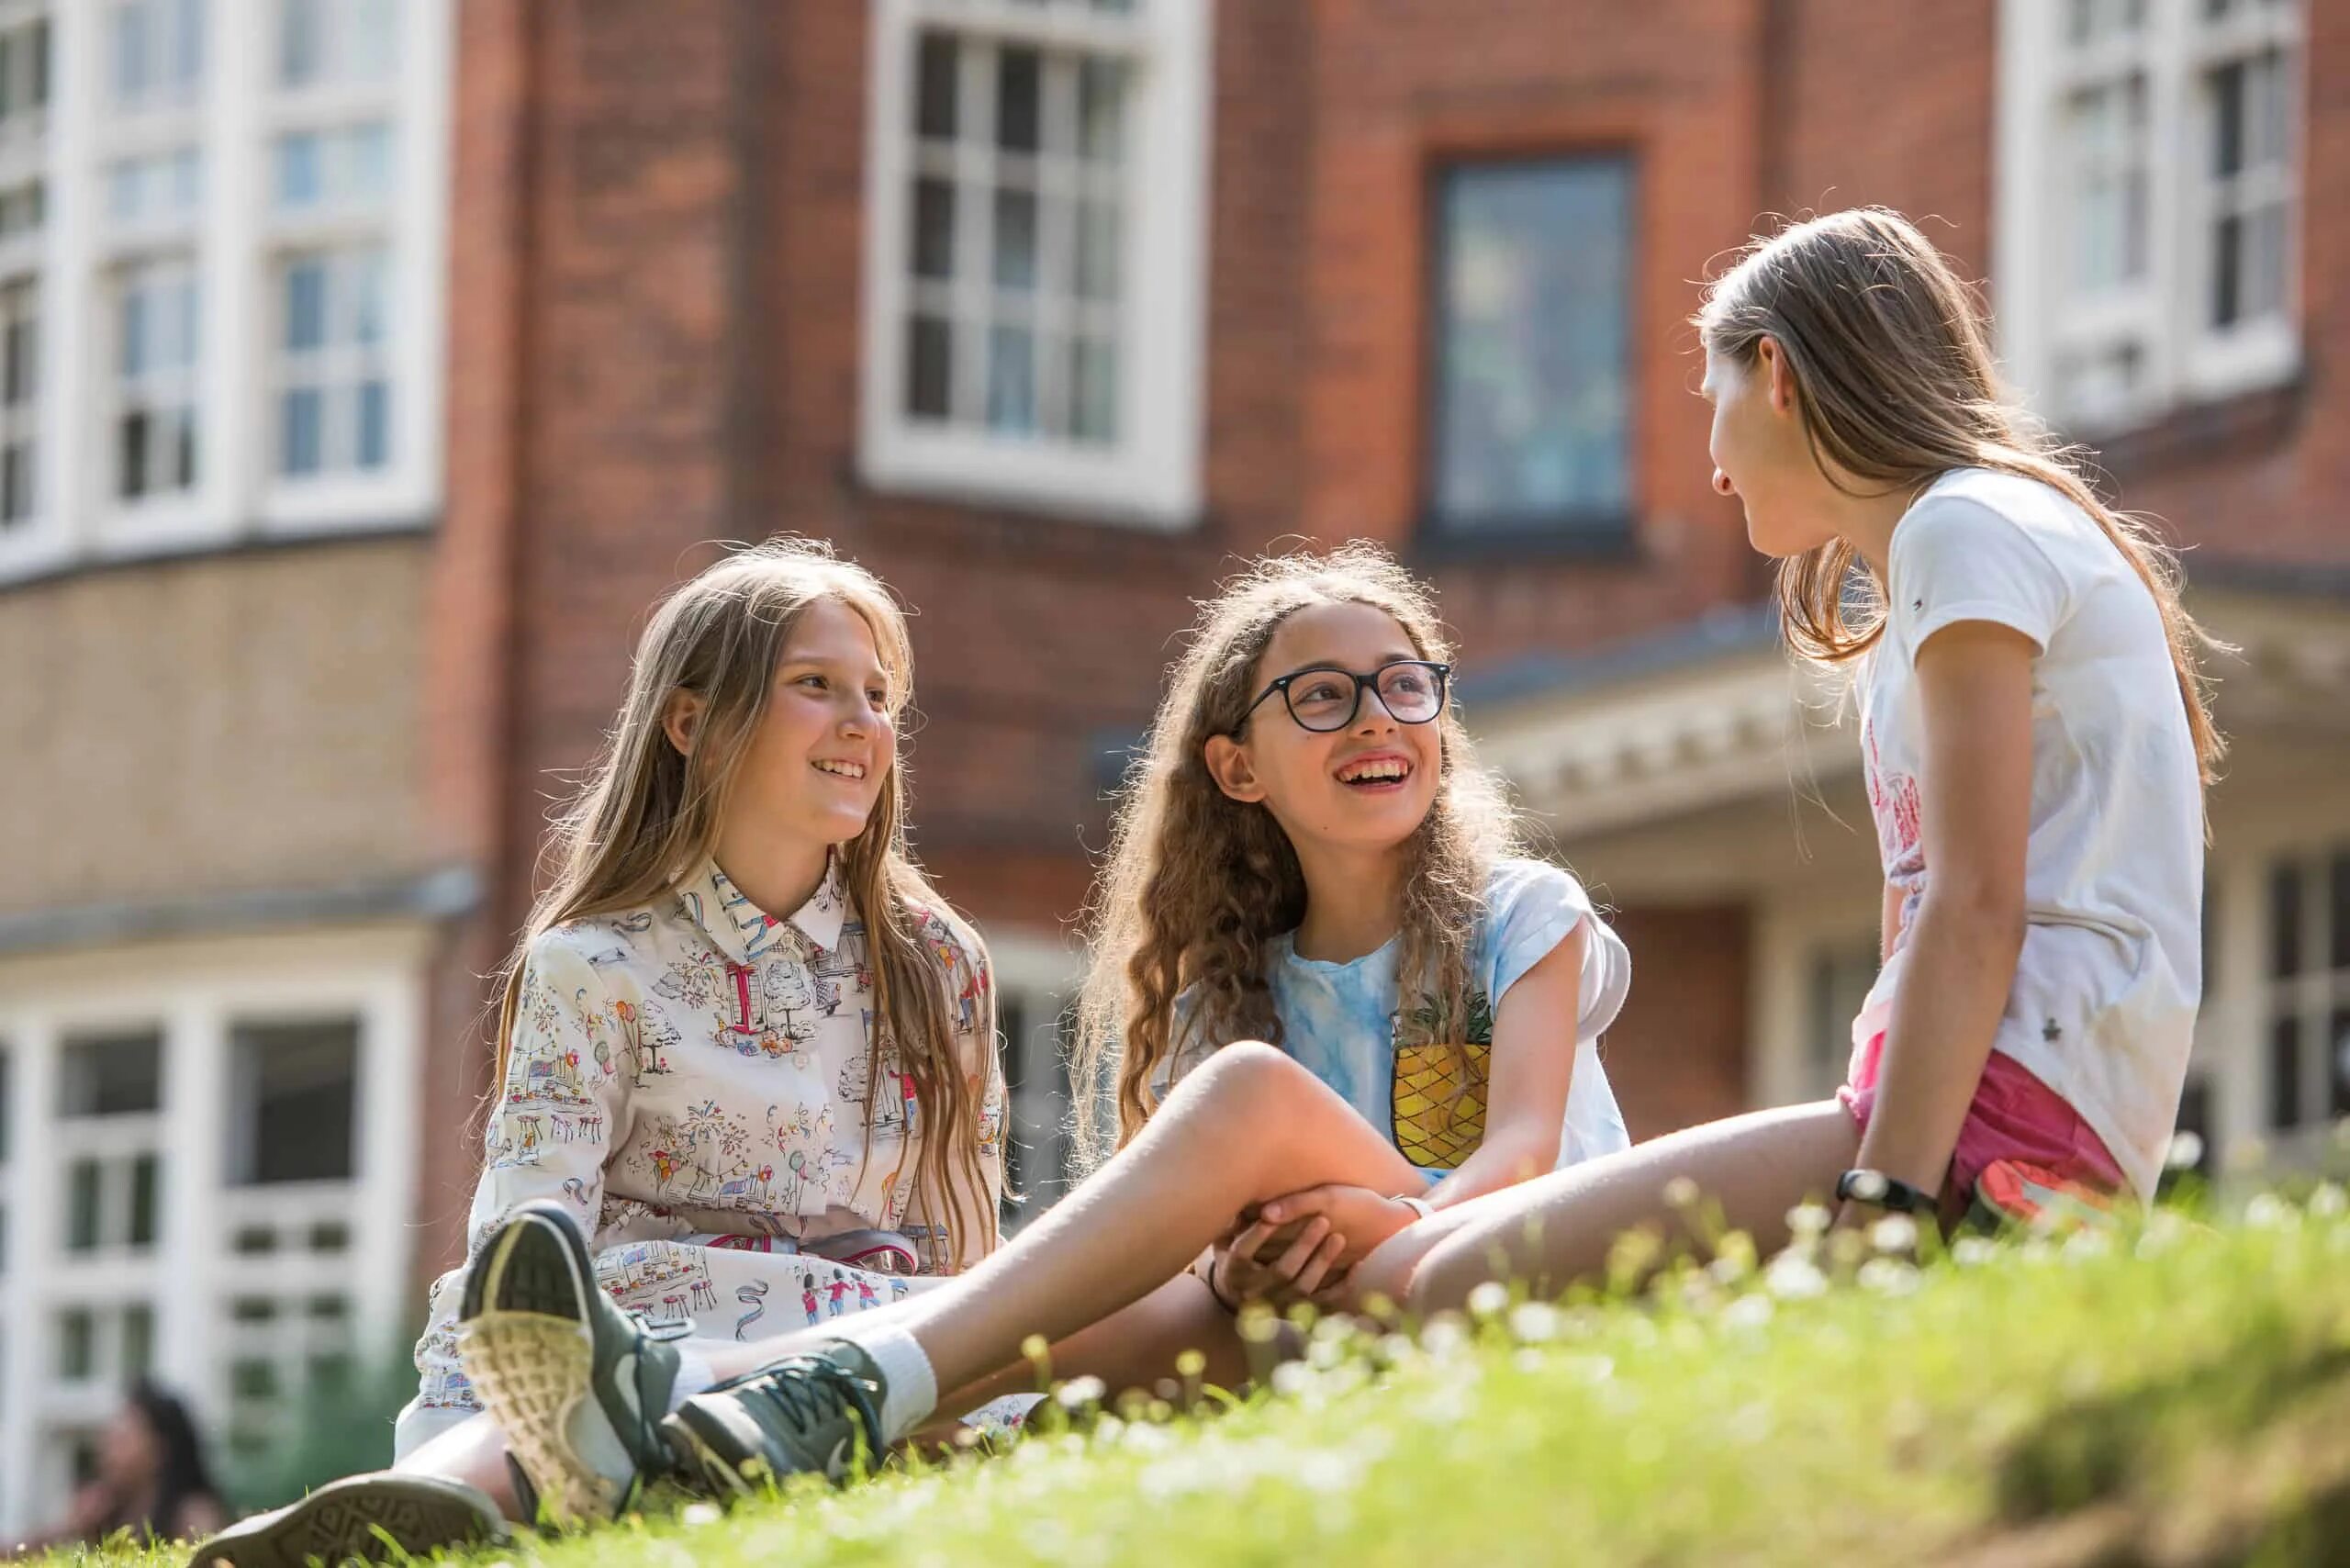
[
  {"x": 1530, "y": 908},
  {"x": 1190, "y": 1048},
  {"x": 1955, "y": 558}
]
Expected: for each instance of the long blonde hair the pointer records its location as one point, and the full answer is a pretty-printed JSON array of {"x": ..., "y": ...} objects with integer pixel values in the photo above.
[
  {"x": 1895, "y": 378},
  {"x": 1198, "y": 884},
  {"x": 647, "y": 817}
]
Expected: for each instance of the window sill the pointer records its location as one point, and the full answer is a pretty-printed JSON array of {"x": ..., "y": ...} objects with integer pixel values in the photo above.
[
  {"x": 1597, "y": 540},
  {"x": 1105, "y": 492},
  {"x": 2239, "y": 424},
  {"x": 35, "y": 569}
]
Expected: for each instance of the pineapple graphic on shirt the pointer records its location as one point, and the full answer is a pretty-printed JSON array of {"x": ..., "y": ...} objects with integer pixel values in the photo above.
[{"x": 1436, "y": 1125}]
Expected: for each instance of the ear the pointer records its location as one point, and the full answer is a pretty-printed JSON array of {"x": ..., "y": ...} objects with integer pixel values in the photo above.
[
  {"x": 1227, "y": 763},
  {"x": 1772, "y": 362},
  {"x": 682, "y": 719}
]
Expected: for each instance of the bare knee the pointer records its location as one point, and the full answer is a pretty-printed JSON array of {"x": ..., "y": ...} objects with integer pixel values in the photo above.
[
  {"x": 1444, "y": 1274},
  {"x": 1248, "y": 1077}
]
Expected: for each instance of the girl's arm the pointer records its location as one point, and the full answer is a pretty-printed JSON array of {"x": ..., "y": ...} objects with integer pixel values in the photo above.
[
  {"x": 561, "y": 1112},
  {"x": 1531, "y": 1068},
  {"x": 970, "y": 979},
  {"x": 1974, "y": 684},
  {"x": 1889, "y": 925}
]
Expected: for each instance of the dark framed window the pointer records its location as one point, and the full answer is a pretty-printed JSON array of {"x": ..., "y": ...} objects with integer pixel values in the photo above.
[{"x": 1530, "y": 377}]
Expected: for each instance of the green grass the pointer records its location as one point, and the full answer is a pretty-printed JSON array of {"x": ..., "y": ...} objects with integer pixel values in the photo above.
[{"x": 2182, "y": 1397}]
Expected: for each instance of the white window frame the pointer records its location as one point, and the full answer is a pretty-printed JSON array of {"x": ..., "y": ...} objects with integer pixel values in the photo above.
[
  {"x": 194, "y": 992},
  {"x": 1791, "y": 935},
  {"x": 20, "y": 422},
  {"x": 1151, "y": 476},
  {"x": 2311, "y": 996},
  {"x": 234, "y": 241},
  {"x": 332, "y": 104},
  {"x": 1039, "y": 972},
  {"x": 2184, "y": 360}
]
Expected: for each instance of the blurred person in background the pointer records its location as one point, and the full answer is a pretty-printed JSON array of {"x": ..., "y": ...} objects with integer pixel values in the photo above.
[{"x": 152, "y": 1480}]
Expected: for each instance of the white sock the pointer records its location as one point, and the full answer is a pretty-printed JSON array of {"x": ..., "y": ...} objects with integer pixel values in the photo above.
[
  {"x": 694, "y": 1376},
  {"x": 909, "y": 1382}
]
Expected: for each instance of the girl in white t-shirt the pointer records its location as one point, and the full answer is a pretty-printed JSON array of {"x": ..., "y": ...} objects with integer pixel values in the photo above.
[{"x": 2036, "y": 741}]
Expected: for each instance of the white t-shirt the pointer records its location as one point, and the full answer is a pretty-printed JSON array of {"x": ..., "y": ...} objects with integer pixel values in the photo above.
[{"x": 2103, "y": 1005}]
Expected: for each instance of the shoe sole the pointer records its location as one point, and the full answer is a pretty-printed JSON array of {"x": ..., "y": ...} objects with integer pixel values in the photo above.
[
  {"x": 533, "y": 1367},
  {"x": 341, "y": 1520}
]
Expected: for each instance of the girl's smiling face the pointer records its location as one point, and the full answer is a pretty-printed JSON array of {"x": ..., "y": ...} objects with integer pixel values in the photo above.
[
  {"x": 821, "y": 747},
  {"x": 826, "y": 740},
  {"x": 1368, "y": 785}
]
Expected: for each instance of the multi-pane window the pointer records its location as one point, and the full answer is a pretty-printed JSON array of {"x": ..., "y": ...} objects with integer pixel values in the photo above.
[
  {"x": 24, "y": 73},
  {"x": 2151, "y": 153},
  {"x": 1034, "y": 1026},
  {"x": 156, "y": 316},
  {"x": 24, "y": 118},
  {"x": 1531, "y": 410},
  {"x": 150, "y": 203},
  {"x": 286, "y": 1331},
  {"x": 242, "y": 310},
  {"x": 326, "y": 43},
  {"x": 1034, "y": 257},
  {"x": 334, "y": 393},
  {"x": 109, "y": 1140},
  {"x": 155, "y": 53},
  {"x": 19, "y": 398},
  {"x": 2308, "y": 989},
  {"x": 155, "y": 189},
  {"x": 332, "y": 176},
  {"x": 293, "y": 1092},
  {"x": 1841, "y": 977},
  {"x": 1013, "y": 313},
  {"x": 2247, "y": 150}
]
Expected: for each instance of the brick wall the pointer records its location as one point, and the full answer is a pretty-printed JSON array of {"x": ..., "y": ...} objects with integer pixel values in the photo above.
[
  {"x": 656, "y": 277},
  {"x": 1677, "y": 1054}
]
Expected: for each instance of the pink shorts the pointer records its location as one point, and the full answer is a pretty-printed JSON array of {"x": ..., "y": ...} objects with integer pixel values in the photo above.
[{"x": 2014, "y": 1117}]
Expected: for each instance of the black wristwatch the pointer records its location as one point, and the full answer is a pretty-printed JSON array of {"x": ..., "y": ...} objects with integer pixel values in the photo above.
[{"x": 1879, "y": 1191}]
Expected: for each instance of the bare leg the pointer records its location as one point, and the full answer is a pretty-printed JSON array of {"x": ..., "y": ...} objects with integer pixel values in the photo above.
[
  {"x": 1097, "y": 1274},
  {"x": 1247, "y": 1125},
  {"x": 1557, "y": 1229},
  {"x": 473, "y": 1451}
]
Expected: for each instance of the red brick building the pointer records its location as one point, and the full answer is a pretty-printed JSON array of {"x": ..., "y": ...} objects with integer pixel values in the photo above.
[{"x": 1049, "y": 310}]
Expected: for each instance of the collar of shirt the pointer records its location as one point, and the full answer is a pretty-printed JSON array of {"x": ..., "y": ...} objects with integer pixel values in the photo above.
[{"x": 744, "y": 933}]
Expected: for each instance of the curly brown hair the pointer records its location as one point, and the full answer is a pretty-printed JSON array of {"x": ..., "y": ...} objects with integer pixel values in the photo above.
[{"x": 1197, "y": 883}]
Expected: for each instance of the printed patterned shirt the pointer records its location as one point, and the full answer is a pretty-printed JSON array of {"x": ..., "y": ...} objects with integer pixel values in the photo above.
[{"x": 700, "y": 1068}]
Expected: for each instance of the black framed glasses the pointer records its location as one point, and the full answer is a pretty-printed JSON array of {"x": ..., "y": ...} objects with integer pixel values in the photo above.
[{"x": 1323, "y": 699}]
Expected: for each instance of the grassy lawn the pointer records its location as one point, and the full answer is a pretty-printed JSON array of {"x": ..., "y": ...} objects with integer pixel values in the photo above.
[{"x": 2178, "y": 1397}]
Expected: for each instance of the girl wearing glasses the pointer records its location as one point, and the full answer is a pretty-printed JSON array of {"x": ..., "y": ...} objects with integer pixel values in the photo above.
[
  {"x": 1309, "y": 855},
  {"x": 1312, "y": 855}
]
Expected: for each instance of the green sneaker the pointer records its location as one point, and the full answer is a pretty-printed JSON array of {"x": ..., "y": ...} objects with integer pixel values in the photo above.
[
  {"x": 372, "y": 1517},
  {"x": 811, "y": 1414},
  {"x": 578, "y": 1385}
]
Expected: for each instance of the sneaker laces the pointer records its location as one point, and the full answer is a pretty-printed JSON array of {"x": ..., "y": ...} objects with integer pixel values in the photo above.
[{"x": 809, "y": 1391}]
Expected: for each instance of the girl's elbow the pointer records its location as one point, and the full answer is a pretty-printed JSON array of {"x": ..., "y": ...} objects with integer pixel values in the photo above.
[{"x": 1985, "y": 912}]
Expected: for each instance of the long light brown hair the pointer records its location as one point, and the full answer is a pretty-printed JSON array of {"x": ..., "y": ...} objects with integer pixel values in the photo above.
[
  {"x": 1894, "y": 377},
  {"x": 1197, "y": 884},
  {"x": 647, "y": 818}
]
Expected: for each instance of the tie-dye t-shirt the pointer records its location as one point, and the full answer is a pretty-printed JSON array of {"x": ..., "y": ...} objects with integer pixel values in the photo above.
[{"x": 1341, "y": 1021}]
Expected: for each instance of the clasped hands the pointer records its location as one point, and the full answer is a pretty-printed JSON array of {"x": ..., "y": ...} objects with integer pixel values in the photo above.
[{"x": 1305, "y": 1246}]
